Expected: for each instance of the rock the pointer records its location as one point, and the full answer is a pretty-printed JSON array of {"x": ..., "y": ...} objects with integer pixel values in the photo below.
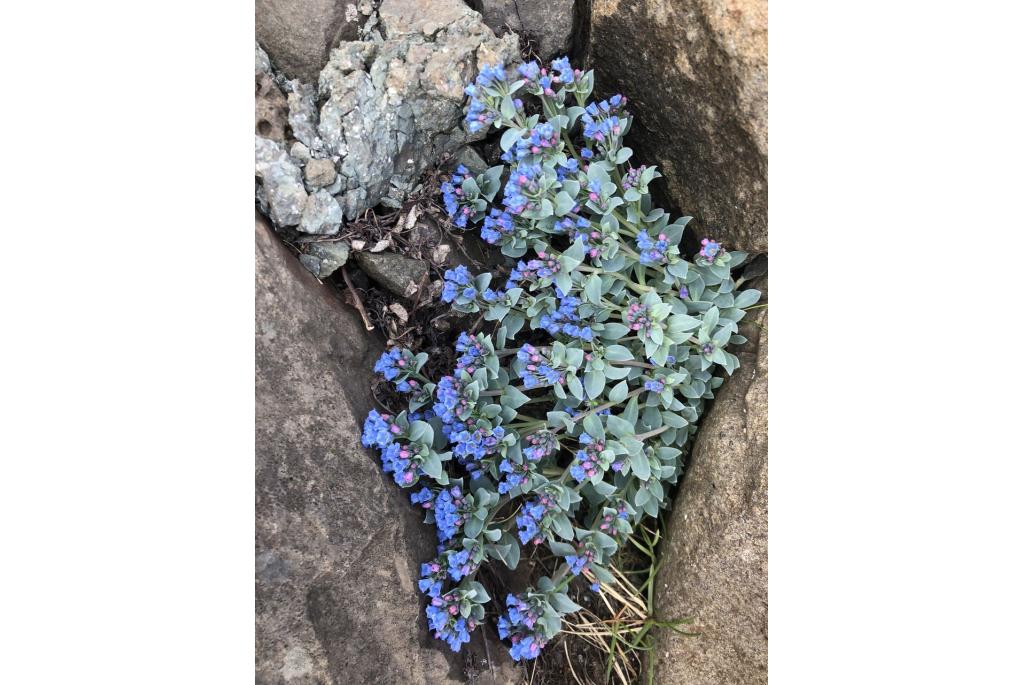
[
  {"x": 299, "y": 152},
  {"x": 302, "y": 115},
  {"x": 324, "y": 258},
  {"x": 337, "y": 544},
  {"x": 322, "y": 215},
  {"x": 299, "y": 34},
  {"x": 283, "y": 190},
  {"x": 394, "y": 106},
  {"x": 546, "y": 25},
  {"x": 696, "y": 74},
  {"x": 320, "y": 173},
  {"x": 399, "y": 274},
  {"x": 271, "y": 109},
  {"x": 471, "y": 159},
  {"x": 262, "y": 61},
  {"x": 715, "y": 556}
]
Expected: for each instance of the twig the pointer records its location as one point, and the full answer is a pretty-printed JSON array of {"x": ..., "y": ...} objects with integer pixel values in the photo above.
[{"x": 358, "y": 300}]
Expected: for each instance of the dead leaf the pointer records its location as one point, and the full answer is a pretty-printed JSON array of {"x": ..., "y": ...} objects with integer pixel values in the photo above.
[
  {"x": 410, "y": 220},
  {"x": 381, "y": 245},
  {"x": 399, "y": 311},
  {"x": 358, "y": 245},
  {"x": 440, "y": 253}
]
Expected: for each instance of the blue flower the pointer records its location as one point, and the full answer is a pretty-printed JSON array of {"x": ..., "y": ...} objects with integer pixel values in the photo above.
[
  {"x": 497, "y": 226},
  {"x": 652, "y": 251},
  {"x": 455, "y": 282},
  {"x": 379, "y": 430},
  {"x": 533, "y": 521},
  {"x": 535, "y": 368},
  {"x": 564, "y": 69},
  {"x": 709, "y": 249},
  {"x": 448, "y": 513},
  {"x": 654, "y": 386}
]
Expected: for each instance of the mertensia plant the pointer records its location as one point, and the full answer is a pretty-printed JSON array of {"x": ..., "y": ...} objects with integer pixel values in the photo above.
[{"x": 565, "y": 420}]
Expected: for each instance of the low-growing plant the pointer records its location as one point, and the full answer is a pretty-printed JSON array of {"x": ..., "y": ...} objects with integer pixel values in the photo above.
[{"x": 566, "y": 424}]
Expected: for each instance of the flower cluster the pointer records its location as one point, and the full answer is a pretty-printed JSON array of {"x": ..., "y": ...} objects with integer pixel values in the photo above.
[
  {"x": 652, "y": 251},
  {"x": 535, "y": 370},
  {"x": 590, "y": 460},
  {"x": 455, "y": 197},
  {"x": 447, "y": 622},
  {"x": 497, "y": 225},
  {"x": 535, "y": 519},
  {"x": 458, "y": 282},
  {"x": 578, "y": 390},
  {"x": 519, "y": 627}
]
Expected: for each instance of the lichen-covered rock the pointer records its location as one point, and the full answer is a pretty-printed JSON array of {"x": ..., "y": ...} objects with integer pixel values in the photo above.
[
  {"x": 546, "y": 25},
  {"x": 393, "y": 107},
  {"x": 399, "y": 274},
  {"x": 324, "y": 258},
  {"x": 282, "y": 187},
  {"x": 386, "y": 107},
  {"x": 302, "y": 116},
  {"x": 299, "y": 34},
  {"x": 271, "y": 109},
  {"x": 322, "y": 214},
  {"x": 715, "y": 556},
  {"x": 696, "y": 73}
]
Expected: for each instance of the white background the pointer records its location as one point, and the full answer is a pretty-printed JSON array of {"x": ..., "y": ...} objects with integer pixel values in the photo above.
[{"x": 127, "y": 351}]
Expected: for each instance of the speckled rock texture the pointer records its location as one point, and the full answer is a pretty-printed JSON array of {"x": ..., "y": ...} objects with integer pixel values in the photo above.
[
  {"x": 337, "y": 544},
  {"x": 715, "y": 558},
  {"x": 388, "y": 105},
  {"x": 696, "y": 72},
  {"x": 545, "y": 25}
]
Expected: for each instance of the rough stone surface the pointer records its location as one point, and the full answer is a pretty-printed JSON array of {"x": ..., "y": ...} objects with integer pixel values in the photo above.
[
  {"x": 395, "y": 272},
  {"x": 715, "y": 559},
  {"x": 323, "y": 259},
  {"x": 322, "y": 214},
  {"x": 388, "y": 105},
  {"x": 271, "y": 109},
  {"x": 696, "y": 72},
  {"x": 471, "y": 159},
  {"x": 547, "y": 25},
  {"x": 336, "y": 544},
  {"x": 320, "y": 173},
  {"x": 299, "y": 34},
  {"x": 392, "y": 107},
  {"x": 283, "y": 191}
]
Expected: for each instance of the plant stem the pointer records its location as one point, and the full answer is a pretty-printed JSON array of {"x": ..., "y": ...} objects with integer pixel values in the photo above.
[
  {"x": 651, "y": 434},
  {"x": 600, "y": 408}
]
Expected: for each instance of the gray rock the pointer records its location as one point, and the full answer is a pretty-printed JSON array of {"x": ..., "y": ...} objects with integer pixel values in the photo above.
[
  {"x": 546, "y": 25},
  {"x": 715, "y": 556},
  {"x": 393, "y": 107},
  {"x": 320, "y": 173},
  {"x": 271, "y": 108},
  {"x": 302, "y": 115},
  {"x": 262, "y": 61},
  {"x": 471, "y": 159},
  {"x": 299, "y": 34},
  {"x": 284, "y": 193},
  {"x": 703, "y": 115},
  {"x": 337, "y": 544},
  {"x": 299, "y": 152},
  {"x": 399, "y": 274},
  {"x": 323, "y": 259},
  {"x": 322, "y": 214}
]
